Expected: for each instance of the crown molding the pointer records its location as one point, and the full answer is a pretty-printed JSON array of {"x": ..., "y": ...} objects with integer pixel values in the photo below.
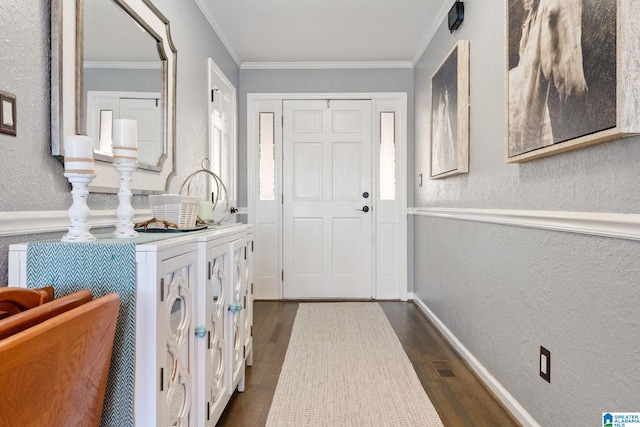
[
  {"x": 444, "y": 12},
  {"x": 206, "y": 10},
  {"x": 324, "y": 65}
]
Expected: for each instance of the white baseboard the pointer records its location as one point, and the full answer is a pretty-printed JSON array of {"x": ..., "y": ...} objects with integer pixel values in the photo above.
[
  {"x": 501, "y": 393},
  {"x": 38, "y": 222}
]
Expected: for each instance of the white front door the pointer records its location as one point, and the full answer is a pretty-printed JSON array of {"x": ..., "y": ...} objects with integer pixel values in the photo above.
[{"x": 327, "y": 231}]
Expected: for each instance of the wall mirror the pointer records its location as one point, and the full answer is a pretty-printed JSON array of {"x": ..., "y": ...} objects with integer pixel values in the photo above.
[{"x": 114, "y": 59}]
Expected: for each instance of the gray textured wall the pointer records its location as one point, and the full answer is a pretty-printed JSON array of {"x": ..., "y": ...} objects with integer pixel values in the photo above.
[
  {"x": 504, "y": 291},
  {"x": 32, "y": 180},
  {"x": 318, "y": 81}
]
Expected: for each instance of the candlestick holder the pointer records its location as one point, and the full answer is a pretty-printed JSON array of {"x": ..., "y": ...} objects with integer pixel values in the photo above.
[
  {"x": 79, "y": 210},
  {"x": 124, "y": 212}
]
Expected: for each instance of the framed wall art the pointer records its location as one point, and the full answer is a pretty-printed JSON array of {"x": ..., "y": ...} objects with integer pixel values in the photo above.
[
  {"x": 8, "y": 113},
  {"x": 572, "y": 77},
  {"x": 450, "y": 114}
]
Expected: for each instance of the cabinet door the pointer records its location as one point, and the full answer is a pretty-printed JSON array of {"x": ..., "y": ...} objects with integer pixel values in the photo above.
[
  {"x": 215, "y": 298},
  {"x": 175, "y": 341},
  {"x": 248, "y": 300},
  {"x": 235, "y": 325}
]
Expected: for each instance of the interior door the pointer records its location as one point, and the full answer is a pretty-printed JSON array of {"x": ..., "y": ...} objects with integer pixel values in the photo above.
[
  {"x": 222, "y": 139},
  {"x": 327, "y": 225},
  {"x": 148, "y": 115}
]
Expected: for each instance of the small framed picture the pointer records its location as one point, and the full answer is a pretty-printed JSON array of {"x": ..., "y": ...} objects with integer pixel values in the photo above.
[{"x": 7, "y": 113}]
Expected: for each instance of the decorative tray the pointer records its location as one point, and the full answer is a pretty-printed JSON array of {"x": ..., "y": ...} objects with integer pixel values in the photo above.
[
  {"x": 170, "y": 230},
  {"x": 155, "y": 225}
]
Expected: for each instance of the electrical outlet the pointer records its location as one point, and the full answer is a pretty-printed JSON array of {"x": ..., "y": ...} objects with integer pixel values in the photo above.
[{"x": 545, "y": 364}]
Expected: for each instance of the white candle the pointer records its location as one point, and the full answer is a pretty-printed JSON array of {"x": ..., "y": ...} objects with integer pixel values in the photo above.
[
  {"x": 78, "y": 147},
  {"x": 78, "y": 154},
  {"x": 125, "y": 133}
]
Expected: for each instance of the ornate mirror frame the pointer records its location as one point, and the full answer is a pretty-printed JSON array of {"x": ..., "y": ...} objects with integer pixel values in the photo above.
[{"x": 66, "y": 89}]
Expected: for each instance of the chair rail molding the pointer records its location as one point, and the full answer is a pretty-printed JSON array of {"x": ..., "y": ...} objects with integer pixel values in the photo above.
[
  {"x": 621, "y": 226},
  {"x": 36, "y": 222}
]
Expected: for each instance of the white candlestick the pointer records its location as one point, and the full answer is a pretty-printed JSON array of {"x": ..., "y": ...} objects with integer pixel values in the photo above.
[
  {"x": 124, "y": 212},
  {"x": 78, "y": 154},
  {"x": 79, "y": 211}
]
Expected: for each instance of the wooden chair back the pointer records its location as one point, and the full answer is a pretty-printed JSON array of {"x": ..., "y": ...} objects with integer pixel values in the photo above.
[
  {"x": 55, "y": 373},
  {"x": 16, "y": 300},
  {"x": 26, "y": 319}
]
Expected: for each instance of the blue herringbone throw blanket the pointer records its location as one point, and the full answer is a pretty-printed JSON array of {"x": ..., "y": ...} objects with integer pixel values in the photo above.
[{"x": 102, "y": 267}]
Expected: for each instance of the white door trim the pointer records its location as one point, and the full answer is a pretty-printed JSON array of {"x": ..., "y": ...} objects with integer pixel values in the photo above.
[{"x": 253, "y": 99}]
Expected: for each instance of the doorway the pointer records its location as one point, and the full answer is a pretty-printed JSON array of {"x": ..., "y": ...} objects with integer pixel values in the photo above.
[{"x": 327, "y": 195}]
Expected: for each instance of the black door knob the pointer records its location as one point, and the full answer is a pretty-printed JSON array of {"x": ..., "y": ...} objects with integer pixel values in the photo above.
[{"x": 364, "y": 209}]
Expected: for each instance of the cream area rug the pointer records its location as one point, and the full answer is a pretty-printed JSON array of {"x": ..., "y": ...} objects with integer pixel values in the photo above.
[{"x": 346, "y": 367}]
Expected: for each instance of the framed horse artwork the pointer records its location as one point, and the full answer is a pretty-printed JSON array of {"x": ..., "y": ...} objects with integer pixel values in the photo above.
[
  {"x": 573, "y": 74},
  {"x": 450, "y": 114}
]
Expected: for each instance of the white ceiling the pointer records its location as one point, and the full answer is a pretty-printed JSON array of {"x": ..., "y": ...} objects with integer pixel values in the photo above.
[
  {"x": 110, "y": 35},
  {"x": 297, "y": 32}
]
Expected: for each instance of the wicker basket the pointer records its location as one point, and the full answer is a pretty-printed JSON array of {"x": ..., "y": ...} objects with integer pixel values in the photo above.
[{"x": 175, "y": 208}]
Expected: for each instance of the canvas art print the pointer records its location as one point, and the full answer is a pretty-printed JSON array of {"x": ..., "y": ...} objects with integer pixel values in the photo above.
[
  {"x": 450, "y": 114},
  {"x": 561, "y": 73}
]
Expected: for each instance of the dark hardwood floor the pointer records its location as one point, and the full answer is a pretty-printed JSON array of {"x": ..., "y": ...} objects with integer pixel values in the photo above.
[{"x": 457, "y": 394}]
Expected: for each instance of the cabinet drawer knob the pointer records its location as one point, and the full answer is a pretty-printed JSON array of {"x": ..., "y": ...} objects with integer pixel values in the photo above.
[
  {"x": 201, "y": 331},
  {"x": 234, "y": 308}
]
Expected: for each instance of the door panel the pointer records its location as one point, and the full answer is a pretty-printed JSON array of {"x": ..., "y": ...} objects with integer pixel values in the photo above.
[
  {"x": 347, "y": 246},
  {"x": 307, "y": 257},
  {"x": 326, "y": 170},
  {"x": 307, "y": 171},
  {"x": 347, "y": 171}
]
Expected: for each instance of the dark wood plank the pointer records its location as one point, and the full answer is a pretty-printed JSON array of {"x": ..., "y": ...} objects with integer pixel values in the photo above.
[{"x": 461, "y": 400}]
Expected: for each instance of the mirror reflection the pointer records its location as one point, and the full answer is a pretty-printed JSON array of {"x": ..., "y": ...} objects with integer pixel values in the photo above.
[
  {"x": 122, "y": 78},
  {"x": 176, "y": 317}
]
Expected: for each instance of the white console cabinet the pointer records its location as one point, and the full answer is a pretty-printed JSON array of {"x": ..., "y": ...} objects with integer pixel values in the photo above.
[{"x": 193, "y": 339}]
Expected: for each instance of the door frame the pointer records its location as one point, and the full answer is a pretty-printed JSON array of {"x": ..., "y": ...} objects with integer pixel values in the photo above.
[{"x": 381, "y": 102}]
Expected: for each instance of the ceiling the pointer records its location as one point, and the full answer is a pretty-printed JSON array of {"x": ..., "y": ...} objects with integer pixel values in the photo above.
[{"x": 298, "y": 33}]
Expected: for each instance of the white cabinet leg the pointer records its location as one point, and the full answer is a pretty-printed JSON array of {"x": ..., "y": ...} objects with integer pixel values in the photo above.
[{"x": 241, "y": 384}]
